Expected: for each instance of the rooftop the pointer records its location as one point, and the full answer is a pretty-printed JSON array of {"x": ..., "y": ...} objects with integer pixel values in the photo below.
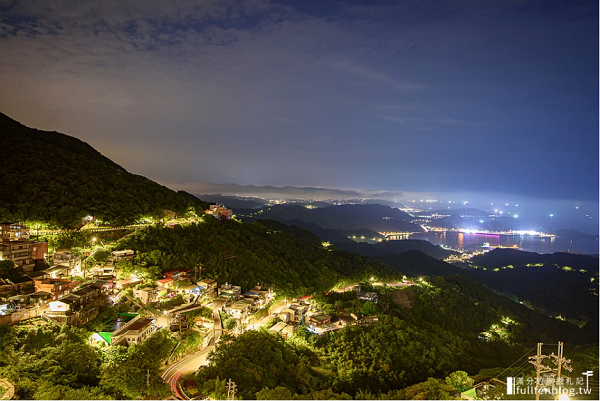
[
  {"x": 83, "y": 291},
  {"x": 278, "y": 327},
  {"x": 67, "y": 299},
  {"x": 55, "y": 269},
  {"x": 123, "y": 252},
  {"x": 106, "y": 336},
  {"x": 139, "y": 324},
  {"x": 320, "y": 317},
  {"x": 98, "y": 284},
  {"x": 21, "y": 279},
  {"x": 37, "y": 274},
  {"x": 40, "y": 294}
]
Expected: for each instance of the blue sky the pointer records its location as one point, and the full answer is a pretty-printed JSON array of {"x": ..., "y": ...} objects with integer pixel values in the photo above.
[{"x": 412, "y": 96}]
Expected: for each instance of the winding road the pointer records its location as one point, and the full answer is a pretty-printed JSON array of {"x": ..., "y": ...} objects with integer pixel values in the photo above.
[{"x": 192, "y": 363}]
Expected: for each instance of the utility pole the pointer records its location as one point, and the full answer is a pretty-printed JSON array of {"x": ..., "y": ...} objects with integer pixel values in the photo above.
[
  {"x": 231, "y": 390},
  {"x": 562, "y": 363},
  {"x": 148, "y": 380},
  {"x": 539, "y": 368}
]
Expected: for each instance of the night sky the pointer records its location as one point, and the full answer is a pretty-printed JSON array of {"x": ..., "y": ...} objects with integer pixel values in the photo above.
[{"x": 417, "y": 96}]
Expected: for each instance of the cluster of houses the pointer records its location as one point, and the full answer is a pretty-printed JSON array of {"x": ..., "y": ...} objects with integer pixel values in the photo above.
[
  {"x": 54, "y": 295},
  {"x": 79, "y": 306},
  {"x": 15, "y": 245},
  {"x": 236, "y": 304},
  {"x": 239, "y": 305},
  {"x": 219, "y": 212},
  {"x": 171, "y": 284},
  {"x": 299, "y": 313},
  {"x": 320, "y": 323},
  {"x": 291, "y": 316},
  {"x": 24, "y": 253},
  {"x": 62, "y": 301},
  {"x": 38, "y": 291}
]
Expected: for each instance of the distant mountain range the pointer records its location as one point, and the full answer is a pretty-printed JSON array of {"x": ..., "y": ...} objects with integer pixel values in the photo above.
[
  {"x": 58, "y": 179},
  {"x": 234, "y": 202},
  {"x": 284, "y": 192},
  {"x": 377, "y": 218}
]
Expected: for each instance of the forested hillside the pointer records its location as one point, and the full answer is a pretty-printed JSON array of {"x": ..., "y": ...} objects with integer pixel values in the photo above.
[
  {"x": 560, "y": 283},
  {"x": 291, "y": 259},
  {"x": 452, "y": 324},
  {"x": 56, "y": 179},
  {"x": 58, "y": 363}
]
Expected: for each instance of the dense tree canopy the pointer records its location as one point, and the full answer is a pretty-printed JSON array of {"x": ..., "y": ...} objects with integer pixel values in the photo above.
[
  {"x": 59, "y": 363},
  {"x": 288, "y": 258},
  {"x": 134, "y": 372},
  {"x": 60, "y": 180},
  {"x": 256, "y": 360},
  {"x": 405, "y": 355},
  {"x": 559, "y": 283}
]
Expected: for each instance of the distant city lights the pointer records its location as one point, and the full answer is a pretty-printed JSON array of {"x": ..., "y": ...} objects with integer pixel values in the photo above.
[{"x": 515, "y": 232}]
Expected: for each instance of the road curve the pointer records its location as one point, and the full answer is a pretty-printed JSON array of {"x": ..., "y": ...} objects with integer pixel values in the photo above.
[{"x": 191, "y": 363}]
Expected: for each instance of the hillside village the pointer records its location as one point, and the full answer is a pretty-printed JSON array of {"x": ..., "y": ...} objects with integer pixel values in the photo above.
[{"x": 61, "y": 287}]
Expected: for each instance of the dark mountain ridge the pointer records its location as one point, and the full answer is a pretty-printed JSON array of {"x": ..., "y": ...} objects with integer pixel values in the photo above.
[
  {"x": 395, "y": 248},
  {"x": 57, "y": 179},
  {"x": 559, "y": 283}
]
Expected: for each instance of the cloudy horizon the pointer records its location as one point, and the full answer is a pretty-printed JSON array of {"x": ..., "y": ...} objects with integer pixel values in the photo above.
[{"x": 440, "y": 97}]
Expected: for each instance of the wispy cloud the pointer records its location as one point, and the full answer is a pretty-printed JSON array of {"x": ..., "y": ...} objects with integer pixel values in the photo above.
[
  {"x": 379, "y": 77},
  {"x": 428, "y": 121}
]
